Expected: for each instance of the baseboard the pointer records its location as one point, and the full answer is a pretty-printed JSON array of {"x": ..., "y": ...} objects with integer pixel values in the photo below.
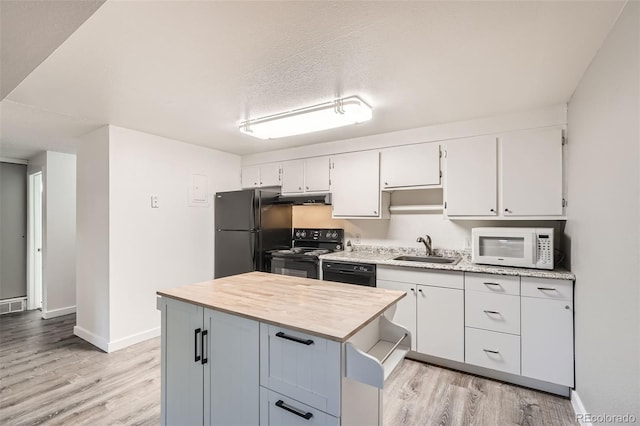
[
  {"x": 116, "y": 345},
  {"x": 97, "y": 341},
  {"x": 58, "y": 312},
  {"x": 578, "y": 408}
]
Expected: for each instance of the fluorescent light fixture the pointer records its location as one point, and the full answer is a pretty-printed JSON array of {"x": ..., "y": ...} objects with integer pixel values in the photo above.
[{"x": 328, "y": 115}]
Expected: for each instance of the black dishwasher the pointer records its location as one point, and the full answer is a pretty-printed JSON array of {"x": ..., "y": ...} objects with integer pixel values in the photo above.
[{"x": 350, "y": 273}]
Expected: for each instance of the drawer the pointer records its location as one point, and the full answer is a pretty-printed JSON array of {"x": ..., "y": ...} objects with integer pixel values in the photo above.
[
  {"x": 279, "y": 410},
  {"x": 497, "y": 351},
  {"x": 448, "y": 279},
  {"x": 301, "y": 366},
  {"x": 489, "y": 283},
  {"x": 495, "y": 312},
  {"x": 547, "y": 288}
]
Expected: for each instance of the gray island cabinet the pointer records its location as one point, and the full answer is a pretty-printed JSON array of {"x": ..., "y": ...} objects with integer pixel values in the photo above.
[{"x": 264, "y": 349}]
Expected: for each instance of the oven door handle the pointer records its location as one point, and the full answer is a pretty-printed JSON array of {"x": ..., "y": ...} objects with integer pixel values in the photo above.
[
  {"x": 292, "y": 259},
  {"x": 361, "y": 273}
]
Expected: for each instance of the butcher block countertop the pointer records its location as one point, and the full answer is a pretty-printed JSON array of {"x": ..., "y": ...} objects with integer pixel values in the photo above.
[{"x": 326, "y": 309}]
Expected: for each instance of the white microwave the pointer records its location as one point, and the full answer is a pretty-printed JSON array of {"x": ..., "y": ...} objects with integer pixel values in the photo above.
[{"x": 521, "y": 247}]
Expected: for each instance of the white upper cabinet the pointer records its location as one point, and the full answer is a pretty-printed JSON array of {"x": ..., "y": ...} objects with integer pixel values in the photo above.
[
  {"x": 471, "y": 177},
  {"x": 293, "y": 177},
  {"x": 309, "y": 175},
  {"x": 261, "y": 175},
  {"x": 316, "y": 174},
  {"x": 355, "y": 185},
  {"x": 250, "y": 177},
  {"x": 531, "y": 163},
  {"x": 412, "y": 165}
]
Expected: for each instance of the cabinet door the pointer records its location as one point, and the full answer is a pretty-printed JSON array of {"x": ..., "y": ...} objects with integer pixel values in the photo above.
[
  {"x": 250, "y": 177},
  {"x": 293, "y": 177},
  {"x": 547, "y": 340},
  {"x": 316, "y": 174},
  {"x": 413, "y": 165},
  {"x": 355, "y": 184},
  {"x": 531, "y": 163},
  {"x": 231, "y": 373},
  {"x": 440, "y": 322},
  {"x": 404, "y": 312},
  {"x": 270, "y": 174},
  {"x": 471, "y": 178},
  {"x": 183, "y": 379}
]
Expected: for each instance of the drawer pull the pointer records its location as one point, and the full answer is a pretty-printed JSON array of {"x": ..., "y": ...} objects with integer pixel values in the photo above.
[
  {"x": 294, "y": 339},
  {"x": 546, "y": 288},
  {"x": 492, "y": 312},
  {"x": 393, "y": 348},
  {"x": 492, "y": 284},
  {"x": 284, "y": 406},
  {"x": 491, "y": 352}
]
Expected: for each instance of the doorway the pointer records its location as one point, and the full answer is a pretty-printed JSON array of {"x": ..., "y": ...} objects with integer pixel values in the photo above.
[{"x": 34, "y": 287}]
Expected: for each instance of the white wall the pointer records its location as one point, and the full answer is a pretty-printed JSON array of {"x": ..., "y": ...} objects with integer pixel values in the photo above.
[
  {"x": 92, "y": 243},
  {"x": 58, "y": 231},
  {"x": 603, "y": 222},
  {"x": 145, "y": 249}
]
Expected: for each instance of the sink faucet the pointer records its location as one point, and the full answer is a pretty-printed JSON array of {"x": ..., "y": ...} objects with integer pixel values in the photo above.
[{"x": 427, "y": 244}]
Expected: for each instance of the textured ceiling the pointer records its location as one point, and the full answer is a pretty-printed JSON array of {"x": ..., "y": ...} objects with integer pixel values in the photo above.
[{"x": 192, "y": 70}]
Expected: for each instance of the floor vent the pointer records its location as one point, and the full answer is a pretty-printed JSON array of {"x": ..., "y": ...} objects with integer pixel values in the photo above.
[{"x": 18, "y": 304}]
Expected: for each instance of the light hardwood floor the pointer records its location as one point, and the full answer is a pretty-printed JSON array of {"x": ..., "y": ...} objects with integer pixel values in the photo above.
[{"x": 49, "y": 376}]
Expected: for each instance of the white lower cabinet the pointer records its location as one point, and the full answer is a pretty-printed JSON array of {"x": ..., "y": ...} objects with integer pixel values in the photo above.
[
  {"x": 201, "y": 375},
  {"x": 489, "y": 349},
  {"x": 440, "y": 322},
  {"x": 279, "y": 410},
  {"x": 547, "y": 330},
  {"x": 433, "y": 309}
]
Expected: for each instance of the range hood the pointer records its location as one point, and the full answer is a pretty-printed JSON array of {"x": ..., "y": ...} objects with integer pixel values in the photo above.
[{"x": 305, "y": 199}]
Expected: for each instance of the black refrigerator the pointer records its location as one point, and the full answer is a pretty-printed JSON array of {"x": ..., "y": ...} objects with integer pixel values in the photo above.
[{"x": 248, "y": 224}]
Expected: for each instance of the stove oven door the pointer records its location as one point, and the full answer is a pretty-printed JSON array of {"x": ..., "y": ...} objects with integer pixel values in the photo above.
[{"x": 296, "y": 267}]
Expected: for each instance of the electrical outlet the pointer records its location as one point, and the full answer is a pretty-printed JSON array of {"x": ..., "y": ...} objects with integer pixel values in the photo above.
[
  {"x": 467, "y": 243},
  {"x": 155, "y": 202}
]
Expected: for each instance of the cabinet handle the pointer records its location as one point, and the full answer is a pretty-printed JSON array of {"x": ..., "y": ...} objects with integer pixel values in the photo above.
[
  {"x": 493, "y": 210},
  {"x": 508, "y": 211},
  {"x": 493, "y": 284},
  {"x": 492, "y": 312},
  {"x": 413, "y": 290},
  {"x": 420, "y": 290},
  {"x": 294, "y": 339},
  {"x": 490, "y": 351},
  {"x": 375, "y": 212},
  {"x": 299, "y": 188},
  {"x": 386, "y": 184},
  {"x": 567, "y": 307},
  {"x": 195, "y": 344},
  {"x": 284, "y": 406},
  {"x": 546, "y": 288},
  {"x": 202, "y": 344},
  {"x": 307, "y": 188}
]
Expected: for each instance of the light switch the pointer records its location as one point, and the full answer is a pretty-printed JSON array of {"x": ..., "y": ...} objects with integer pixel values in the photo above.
[{"x": 155, "y": 203}]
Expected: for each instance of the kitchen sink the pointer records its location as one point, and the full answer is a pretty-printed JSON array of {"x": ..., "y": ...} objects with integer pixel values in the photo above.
[{"x": 427, "y": 259}]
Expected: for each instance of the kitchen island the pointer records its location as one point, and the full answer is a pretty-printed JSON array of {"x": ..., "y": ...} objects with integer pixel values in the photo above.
[{"x": 269, "y": 349}]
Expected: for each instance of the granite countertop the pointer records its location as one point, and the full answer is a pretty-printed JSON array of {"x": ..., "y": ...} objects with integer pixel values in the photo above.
[
  {"x": 384, "y": 256},
  {"x": 326, "y": 309}
]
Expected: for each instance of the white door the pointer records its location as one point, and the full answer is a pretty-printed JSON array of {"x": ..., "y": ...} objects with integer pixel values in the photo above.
[
  {"x": 293, "y": 177},
  {"x": 531, "y": 163},
  {"x": 231, "y": 373},
  {"x": 471, "y": 178},
  {"x": 250, "y": 177},
  {"x": 355, "y": 184},
  {"x": 185, "y": 360},
  {"x": 440, "y": 323},
  {"x": 271, "y": 174},
  {"x": 404, "y": 312},
  {"x": 316, "y": 174},
  {"x": 547, "y": 340},
  {"x": 412, "y": 165}
]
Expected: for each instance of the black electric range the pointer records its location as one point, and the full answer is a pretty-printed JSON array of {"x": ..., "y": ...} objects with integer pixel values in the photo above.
[{"x": 301, "y": 260}]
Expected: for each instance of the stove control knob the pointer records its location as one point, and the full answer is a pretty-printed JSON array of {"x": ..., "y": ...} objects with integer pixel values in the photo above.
[
  {"x": 334, "y": 235},
  {"x": 297, "y": 234},
  {"x": 303, "y": 234},
  {"x": 328, "y": 234}
]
